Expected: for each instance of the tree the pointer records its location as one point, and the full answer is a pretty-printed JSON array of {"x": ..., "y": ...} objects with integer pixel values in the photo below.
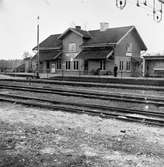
[{"x": 26, "y": 54}]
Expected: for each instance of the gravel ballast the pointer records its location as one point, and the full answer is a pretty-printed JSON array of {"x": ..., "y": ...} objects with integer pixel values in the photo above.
[{"x": 38, "y": 137}]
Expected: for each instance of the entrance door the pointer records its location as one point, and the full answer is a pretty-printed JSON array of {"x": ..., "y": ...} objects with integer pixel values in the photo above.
[
  {"x": 86, "y": 65},
  {"x": 53, "y": 68}
]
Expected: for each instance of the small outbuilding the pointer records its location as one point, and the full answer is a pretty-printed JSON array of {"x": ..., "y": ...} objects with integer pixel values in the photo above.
[{"x": 153, "y": 65}]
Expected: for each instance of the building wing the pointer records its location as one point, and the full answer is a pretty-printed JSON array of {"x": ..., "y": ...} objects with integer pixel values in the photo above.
[
  {"x": 52, "y": 42},
  {"x": 48, "y": 55}
]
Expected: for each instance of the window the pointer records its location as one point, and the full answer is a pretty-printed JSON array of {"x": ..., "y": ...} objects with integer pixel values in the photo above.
[
  {"x": 72, "y": 47},
  {"x": 128, "y": 64},
  {"x": 129, "y": 54},
  {"x": 58, "y": 64},
  {"x": 102, "y": 64},
  {"x": 48, "y": 64},
  {"x": 86, "y": 65},
  {"x": 121, "y": 66},
  {"x": 68, "y": 65},
  {"x": 129, "y": 47},
  {"x": 76, "y": 65}
]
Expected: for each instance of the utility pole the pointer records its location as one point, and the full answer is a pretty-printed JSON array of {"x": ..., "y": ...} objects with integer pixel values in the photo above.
[{"x": 38, "y": 64}]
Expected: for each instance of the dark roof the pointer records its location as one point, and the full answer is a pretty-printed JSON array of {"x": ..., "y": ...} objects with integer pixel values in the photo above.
[
  {"x": 156, "y": 57},
  {"x": 51, "y": 42},
  {"x": 93, "y": 37},
  {"x": 82, "y": 33},
  {"x": 94, "y": 53},
  {"x": 111, "y": 35},
  {"x": 27, "y": 58},
  {"x": 21, "y": 66},
  {"x": 48, "y": 55},
  {"x": 85, "y": 34},
  {"x": 141, "y": 42}
]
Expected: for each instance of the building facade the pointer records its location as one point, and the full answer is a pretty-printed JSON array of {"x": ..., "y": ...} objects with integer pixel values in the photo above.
[
  {"x": 153, "y": 66},
  {"x": 76, "y": 51}
]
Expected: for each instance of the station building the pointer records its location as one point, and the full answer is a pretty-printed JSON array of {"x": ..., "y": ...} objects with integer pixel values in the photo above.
[
  {"x": 92, "y": 52},
  {"x": 153, "y": 65}
]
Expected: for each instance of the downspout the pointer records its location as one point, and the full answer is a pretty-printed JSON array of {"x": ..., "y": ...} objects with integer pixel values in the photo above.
[{"x": 144, "y": 65}]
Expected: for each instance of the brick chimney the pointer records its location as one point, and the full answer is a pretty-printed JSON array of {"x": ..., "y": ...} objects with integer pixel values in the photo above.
[
  {"x": 104, "y": 26},
  {"x": 78, "y": 27}
]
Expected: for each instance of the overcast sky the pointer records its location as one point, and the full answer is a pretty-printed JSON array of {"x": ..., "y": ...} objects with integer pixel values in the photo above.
[{"x": 18, "y": 21}]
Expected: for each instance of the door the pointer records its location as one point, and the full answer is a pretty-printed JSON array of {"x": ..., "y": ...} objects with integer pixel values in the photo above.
[
  {"x": 53, "y": 68},
  {"x": 86, "y": 65}
]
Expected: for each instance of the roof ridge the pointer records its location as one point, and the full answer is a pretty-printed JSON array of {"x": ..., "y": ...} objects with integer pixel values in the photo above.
[
  {"x": 111, "y": 36},
  {"x": 88, "y": 31},
  {"x": 113, "y": 28},
  {"x": 54, "y": 34},
  {"x": 79, "y": 29}
]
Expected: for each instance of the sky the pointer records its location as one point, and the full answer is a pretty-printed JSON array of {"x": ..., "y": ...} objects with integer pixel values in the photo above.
[{"x": 18, "y": 22}]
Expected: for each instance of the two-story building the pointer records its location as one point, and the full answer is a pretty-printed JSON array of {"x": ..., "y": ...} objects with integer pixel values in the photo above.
[{"x": 88, "y": 52}]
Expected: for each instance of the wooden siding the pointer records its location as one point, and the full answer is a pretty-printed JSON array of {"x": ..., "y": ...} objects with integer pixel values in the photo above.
[{"x": 121, "y": 50}]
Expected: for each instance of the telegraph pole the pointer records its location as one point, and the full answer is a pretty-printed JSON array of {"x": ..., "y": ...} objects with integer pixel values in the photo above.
[{"x": 38, "y": 64}]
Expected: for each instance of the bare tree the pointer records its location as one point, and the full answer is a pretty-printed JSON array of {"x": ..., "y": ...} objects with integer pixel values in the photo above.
[{"x": 26, "y": 54}]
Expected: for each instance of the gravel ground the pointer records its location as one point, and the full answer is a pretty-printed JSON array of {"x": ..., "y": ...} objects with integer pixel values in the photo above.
[{"x": 42, "y": 138}]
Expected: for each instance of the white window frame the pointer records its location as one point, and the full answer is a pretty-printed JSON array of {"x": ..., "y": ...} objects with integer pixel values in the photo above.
[
  {"x": 121, "y": 65},
  {"x": 68, "y": 64},
  {"x": 58, "y": 64},
  {"x": 72, "y": 47},
  {"x": 76, "y": 65},
  {"x": 128, "y": 65},
  {"x": 102, "y": 64},
  {"x": 129, "y": 49}
]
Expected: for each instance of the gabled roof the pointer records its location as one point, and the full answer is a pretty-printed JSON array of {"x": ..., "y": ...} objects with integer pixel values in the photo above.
[
  {"x": 22, "y": 66},
  {"x": 154, "y": 57},
  {"x": 141, "y": 42},
  {"x": 82, "y": 33},
  {"x": 49, "y": 55},
  {"x": 94, "y": 38},
  {"x": 94, "y": 53},
  {"x": 109, "y": 36},
  {"x": 112, "y": 37},
  {"x": 52, "y": 42}
]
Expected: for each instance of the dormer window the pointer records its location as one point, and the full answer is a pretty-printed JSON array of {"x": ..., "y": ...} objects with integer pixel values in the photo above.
[{"x": 72, "y": 47}]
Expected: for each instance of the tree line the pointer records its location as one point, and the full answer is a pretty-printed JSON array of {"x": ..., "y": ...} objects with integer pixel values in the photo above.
[{"x": 9, "y": 65}]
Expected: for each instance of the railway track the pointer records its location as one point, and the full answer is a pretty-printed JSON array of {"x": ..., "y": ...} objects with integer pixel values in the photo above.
[
  {"x": 151, "y": 118},
  {"x": 89, "y": 84},
  {"x": 158, "y": 101}
]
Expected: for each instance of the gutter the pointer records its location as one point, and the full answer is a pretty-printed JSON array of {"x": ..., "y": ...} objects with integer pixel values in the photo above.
[
  {"x": 48, "y": 48},
  {"x": 99, "y": 45}
]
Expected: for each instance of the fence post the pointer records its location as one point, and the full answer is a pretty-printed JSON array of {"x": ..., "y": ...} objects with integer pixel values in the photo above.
[
  {"x": 47, "y": 73},
  {"x": 121, "y": 74}
]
